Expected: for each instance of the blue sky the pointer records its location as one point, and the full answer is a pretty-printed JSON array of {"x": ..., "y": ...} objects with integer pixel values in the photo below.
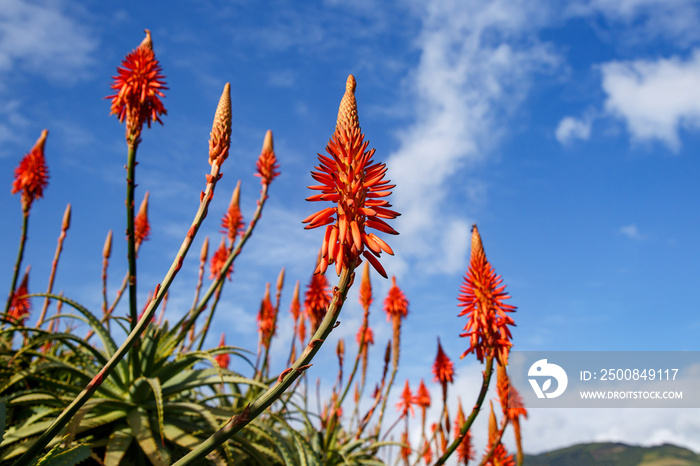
[{"x": 567, "y": 131}]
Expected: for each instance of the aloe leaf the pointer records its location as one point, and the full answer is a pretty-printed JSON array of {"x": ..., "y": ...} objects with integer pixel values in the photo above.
[
  {"x": 117, "y": 445},
  {"x": 188, "y": 441},
  {"x": 3, "y": 419},
  {"x": 141, "y": 428},
  {"x": 104, "y": 336},
  {"x": 70, "y": 457},
  {"x": 158, "y": 395}
]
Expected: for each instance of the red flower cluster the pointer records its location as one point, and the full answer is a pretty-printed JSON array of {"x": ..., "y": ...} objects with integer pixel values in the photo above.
[
  {"x": 406, "y": 403},
  {"x": 32, "y": 175},
  {"x": 219, "y": 259},
  {"x": 267, "y": 162},
  {"x": 317, "y": 299},
  {"x": 142, "y": 228},
  {"x": 481, "y": 300},
  {"x": 223, "y": 359},
  {"x": 266, "y": 319},
  {"x": 139, "y": 85},
  {"x": 232, "y": 222},
  {"x": 20, "y": 305},
  {"x": 395, "y": 304},
  {"x": 355, "y": 183},
  {"x": 443, "y": 368},
  {"x": 465, "y": 451}
]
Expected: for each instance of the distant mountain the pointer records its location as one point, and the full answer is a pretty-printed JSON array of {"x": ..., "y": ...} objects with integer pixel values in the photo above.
[{"x": 615, "y": 454}]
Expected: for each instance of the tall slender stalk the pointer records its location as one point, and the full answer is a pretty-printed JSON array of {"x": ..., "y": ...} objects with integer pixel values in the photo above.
[
  {"x": 20, "y": 254},
  {"x": 64, "y": 227},
  {"x": 488, "y": 372},
  {"x": 285, "y": 379},
  {"x": 35, "y": 448}
]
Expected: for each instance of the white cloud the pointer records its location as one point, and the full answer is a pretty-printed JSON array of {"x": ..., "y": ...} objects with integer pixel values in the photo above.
[
  {"x": 476, "y": 62},
  {"x": 655, "y": 98},
  {"x": 571, "y": 128},
  {"x": 42, "y": 38},
  {"x": 643, "y": 20},
  {"x": 631, "y": 231}
]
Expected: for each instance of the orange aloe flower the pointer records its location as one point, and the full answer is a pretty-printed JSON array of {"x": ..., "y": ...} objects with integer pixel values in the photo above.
[
  {"x": 395, "y": 304},
  {"x": 355, "y": 183},
  {"x": 267, "y": 161},
  {"x": 232, "y": 222},
  {"x": 465, "y": 451},
  {"x": 139, "y": 85},
  {"x": 295, "y": 305},
  {"x": 405, "y": 450},
  {"x": 32, "y": 174},
  {"x": 20, "y": 306},
  {"x": 266, "y": 319},
  {"x": 427, "y": 452},
  {"x": 317, "y": 299},
  {"x": 422, "y": 398},
  {"x": 443, "y": 368},
  {"x": 142, "y": 228},
  {"x": 481, "y": 300},
  {"x": 218, "y": 260},
  {"x": 406, "y": 402},
  {"x": 222, "y": 359},
  {"x": 368, "y": 337}
]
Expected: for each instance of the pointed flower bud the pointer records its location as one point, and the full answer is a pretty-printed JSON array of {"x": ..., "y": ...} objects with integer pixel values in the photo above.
[
  {"x": 65, "y": 225},
  {"x": 107, "y": 249},
  {"x": 220, "y": 139},
  {"x": 142, "y": 228}
]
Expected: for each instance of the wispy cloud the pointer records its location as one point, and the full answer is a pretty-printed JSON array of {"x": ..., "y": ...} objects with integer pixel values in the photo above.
[
  {"x": 41, "y": 37},
  {"x": 476, "y": 63},
  {"x": 571, "y": 128},
  {"x": 655, "y": 98},
  {"x": 631, "y": 231}
]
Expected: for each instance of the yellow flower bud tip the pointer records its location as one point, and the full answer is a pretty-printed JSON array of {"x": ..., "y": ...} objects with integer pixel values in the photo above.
[
  {"x": 235, "y": 197},
  {"x": 347, "y": 113},
  {"x": 220, "y": 139},
  {"x": 147, "y": 42},
  {"x": 205, "y": 250},
  {"x": 143, "y": 209},
  {"x": 107, "y": 249},
  {"x": 477, "y": 245},
  {"x": 66, "y": 218},
  {"x": 268, "y": 146},
  {"x": 280, "y": 280}
]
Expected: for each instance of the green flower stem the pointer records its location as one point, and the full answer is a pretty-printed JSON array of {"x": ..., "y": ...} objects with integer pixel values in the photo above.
[
  {"x": 54, "y": 265},
  {"x": 488, "y": 372},
  {"x": 20, "y": 254},
  {"x": 363, "y": 343},
  {"x": 35, "y": 448},
  {"x": 285, "y": 379},
  {"x": 131, "y": 239},
  {"x": 192, "y": 317}
]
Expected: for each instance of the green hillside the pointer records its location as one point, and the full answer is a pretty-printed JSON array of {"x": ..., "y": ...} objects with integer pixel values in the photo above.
[{"x": 615, "y": 454}]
